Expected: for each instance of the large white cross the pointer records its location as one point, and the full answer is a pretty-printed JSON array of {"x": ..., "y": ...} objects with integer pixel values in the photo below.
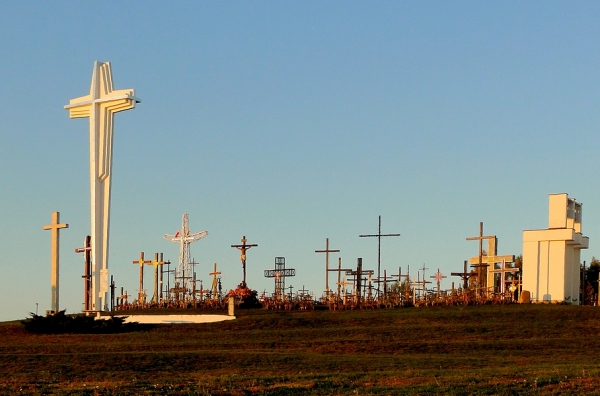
[{"x": 99, "y": 106}]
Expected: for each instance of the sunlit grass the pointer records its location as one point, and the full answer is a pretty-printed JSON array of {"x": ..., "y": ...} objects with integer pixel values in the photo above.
[{"x": 517, "y": 349}]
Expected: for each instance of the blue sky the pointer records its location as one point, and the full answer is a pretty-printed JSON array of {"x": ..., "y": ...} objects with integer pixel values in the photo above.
[{"x": 292, "y": 122}]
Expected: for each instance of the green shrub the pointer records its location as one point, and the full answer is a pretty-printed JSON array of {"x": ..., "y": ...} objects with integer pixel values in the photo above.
[{"x": 60, "y": 323}]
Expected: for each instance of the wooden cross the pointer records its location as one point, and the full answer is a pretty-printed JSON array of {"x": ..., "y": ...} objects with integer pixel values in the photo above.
[
  {"x": 157, "y": 285},
  {"x": 327, "y": 251},
  {"x": 344, "y": 285},
  {"x": 358, "y": 277},
  {"x": 424, "y": 281},
  {"x": 123, "y": 296},
  {"x": 55, "y": 226},
  {"x": 242, "y": 248},
  {"x": 87, "y": 272},
  {"x": 142, "y": 296},
  {"x": 407, "y": 276},
  {"x": 465, "y": 276},
  {"x": 178, "y": 291},
  {"x": 169, "y": 271},
  {"x": 162, "y": 263},
  {"x": 484, "y": 262},
  {"x": 302, "y": 292},
  {"x": 339, "y": 271},
  {"x": 378, "y": 235},
  {"x": 384, "y": 281},
  {"x": 112, "y": 293},
  {"x": 201, "y": 292},
  {"x": 438, "y": 277},
  {"x": 480, "y": 267},
  {"x": 141, "y": 262},
  {"x": 214, "y": 282}
]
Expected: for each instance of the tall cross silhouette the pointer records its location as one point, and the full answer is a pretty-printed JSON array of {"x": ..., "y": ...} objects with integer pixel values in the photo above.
[
  {"x": 378, "y": 235},
  {"x": 87, "y": 272},
  {"x": 327, "y": 251}
]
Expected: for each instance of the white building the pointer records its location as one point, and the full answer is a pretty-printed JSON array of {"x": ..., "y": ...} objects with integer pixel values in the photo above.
[{"x": 551, "y": 257}]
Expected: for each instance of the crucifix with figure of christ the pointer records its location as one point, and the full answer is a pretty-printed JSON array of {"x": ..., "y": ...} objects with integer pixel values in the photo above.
[
  {"x": 242, "y": 248},
  {"x": 327, "y": 251},
  {"x": 55, "y": 227},
  {"x": 465, "y": 276},
  {"x": 100, "y": 107},
  {"x": 378, "y": 236}
]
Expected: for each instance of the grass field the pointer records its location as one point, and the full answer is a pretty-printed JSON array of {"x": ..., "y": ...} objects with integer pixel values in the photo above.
[{"x": 513, "y": 349}]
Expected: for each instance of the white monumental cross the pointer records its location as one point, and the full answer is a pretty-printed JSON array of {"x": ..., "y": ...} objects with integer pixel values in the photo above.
[
  {"x": 99, "y": 106},
  {"x": 184, "y": 238},
  {"x": 54, "y": 250}
]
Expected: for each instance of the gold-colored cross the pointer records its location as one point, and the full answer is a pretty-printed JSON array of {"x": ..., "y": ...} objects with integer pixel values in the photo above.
[
  {"x": 214, "y": 282},
  {"x": 55, "y": 226},
  {"x": 141, "y": 262}
]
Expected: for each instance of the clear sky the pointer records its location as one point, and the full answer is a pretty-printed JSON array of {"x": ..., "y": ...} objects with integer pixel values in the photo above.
[{"x": 291, "y": 122}]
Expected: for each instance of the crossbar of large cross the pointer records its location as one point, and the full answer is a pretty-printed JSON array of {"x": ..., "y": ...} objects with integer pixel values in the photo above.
[
  {"x": 99, "y": 106},
  {"x": 55, "y": 226}
]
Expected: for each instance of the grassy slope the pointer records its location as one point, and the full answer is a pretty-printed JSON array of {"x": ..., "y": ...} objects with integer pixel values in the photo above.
[{"x": 527, "y": 349}]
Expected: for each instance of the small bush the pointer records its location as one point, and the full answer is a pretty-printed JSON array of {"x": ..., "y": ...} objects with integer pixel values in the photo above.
[{"x": 60, "y": 323}]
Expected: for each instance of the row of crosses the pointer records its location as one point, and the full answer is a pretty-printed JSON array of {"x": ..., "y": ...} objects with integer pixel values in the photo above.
[{"x": 480, "y": 263}]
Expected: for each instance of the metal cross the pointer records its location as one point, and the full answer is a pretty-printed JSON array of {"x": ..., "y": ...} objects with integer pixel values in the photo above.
[
  {"x": 378, "y": 235},
  {"x": 438, "y": 277},
  {"x": 87, "y": 273}
]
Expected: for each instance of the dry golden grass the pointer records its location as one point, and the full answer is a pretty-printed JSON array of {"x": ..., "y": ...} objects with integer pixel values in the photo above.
[{"x": 516, "y": 349}]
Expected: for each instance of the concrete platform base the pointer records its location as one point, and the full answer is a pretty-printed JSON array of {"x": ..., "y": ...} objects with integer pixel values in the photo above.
[{"x": 170, "y": 319}]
